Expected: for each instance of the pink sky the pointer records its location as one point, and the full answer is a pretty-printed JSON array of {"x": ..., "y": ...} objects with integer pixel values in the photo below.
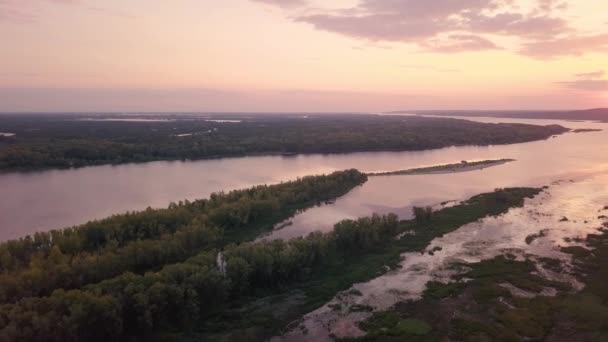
[{"x": 302, "y": 55}]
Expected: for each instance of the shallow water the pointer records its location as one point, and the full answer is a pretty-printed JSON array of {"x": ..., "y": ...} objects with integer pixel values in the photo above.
[
  {"x": 537, "y": 164},
  {"x": 46, "y": 200},
  {"x": 581, "y": 200}
]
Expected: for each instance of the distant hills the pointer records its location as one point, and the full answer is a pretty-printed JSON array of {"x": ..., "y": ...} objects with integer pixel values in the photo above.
[{"x": 595, "y": 114}]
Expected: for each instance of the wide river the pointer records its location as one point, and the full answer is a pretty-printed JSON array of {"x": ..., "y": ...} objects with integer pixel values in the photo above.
[{"x": 37, "y": 201}]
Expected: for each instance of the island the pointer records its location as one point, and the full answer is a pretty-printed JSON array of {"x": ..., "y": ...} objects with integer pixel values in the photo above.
[
  {"x": 194, "y": 272},
  {"x": 463, "y": 166},
  {"x": 44, "y": 141},
  {"x": 586, "y": 130}
]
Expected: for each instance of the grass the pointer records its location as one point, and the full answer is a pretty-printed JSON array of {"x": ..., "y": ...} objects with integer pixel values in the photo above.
[
  {"x": 248, "y": 321},
  {"x": 481, "y": 309}
]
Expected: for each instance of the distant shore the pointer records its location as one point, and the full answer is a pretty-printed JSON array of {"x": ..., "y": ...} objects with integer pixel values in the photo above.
[
  {"x": 586, "y": 130},
  {"x": 464, "y": 166}
]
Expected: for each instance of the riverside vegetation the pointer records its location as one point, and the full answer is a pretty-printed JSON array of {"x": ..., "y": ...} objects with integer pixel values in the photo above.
[
  {"x": 62, "y": 141},
  {"x": 187, "y": 272},
  {"x": 485, "y": 308}
]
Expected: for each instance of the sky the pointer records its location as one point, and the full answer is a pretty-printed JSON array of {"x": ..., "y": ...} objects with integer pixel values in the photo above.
[{"x": 302, "y": 55}]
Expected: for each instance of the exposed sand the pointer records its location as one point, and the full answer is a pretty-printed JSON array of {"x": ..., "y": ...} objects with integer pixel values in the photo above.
[
  {"x": 447, "y": 168},
  {"x": 579, "y": 200}
]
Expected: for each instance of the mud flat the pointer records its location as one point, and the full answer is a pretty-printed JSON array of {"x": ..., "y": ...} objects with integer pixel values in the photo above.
[
  {"x": 463, "y": 166},
  {"x": 446, "y": 289}
]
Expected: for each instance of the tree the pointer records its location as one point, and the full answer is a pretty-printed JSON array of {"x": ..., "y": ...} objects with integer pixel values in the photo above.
[{"x": 423, "y": 214}]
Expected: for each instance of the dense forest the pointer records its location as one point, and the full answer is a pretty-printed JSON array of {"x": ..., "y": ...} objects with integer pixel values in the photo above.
[
  {"x": 61, "y": 141},
  {"x": 142, "y": 241},
  {"x": 142, "y": 294}
]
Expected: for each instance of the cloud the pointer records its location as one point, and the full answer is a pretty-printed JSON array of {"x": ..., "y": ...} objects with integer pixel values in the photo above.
[
  {"x": 551, "y": 5},
  {"x": 588, "y": 81},
  {"x": 517, "y": 24},
  {"x": 461, "y": 43},
  {"x": 587, "y": 85},
  {"x": 591, "y": 75},
  {"x": 375, "y": 27},
  {"x": 573, "y": 45},
  {"x": 541, "y": 30},
  {"x": 27, "y": 11},
  {"x": 13, "y": 11}
]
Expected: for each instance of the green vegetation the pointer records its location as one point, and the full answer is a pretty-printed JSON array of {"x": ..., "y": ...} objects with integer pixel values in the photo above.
[
  {"x": 61, "y": 141},
  {"x": 390, "y": 324},
  {"x": 142, "y": 241},
  {"x": 530, "y": 238},
  {"x": 447, "y": 168},
  {"x": 485, "y": 309},
  {"x": 265, "y": 284}
]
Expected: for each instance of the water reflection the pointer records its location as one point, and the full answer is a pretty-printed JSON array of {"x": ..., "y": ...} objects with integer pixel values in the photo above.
[
  {"x": 578, "y": 199},
  {"x": 36, "y": 201},
  {"x": 537, "y": 164}
]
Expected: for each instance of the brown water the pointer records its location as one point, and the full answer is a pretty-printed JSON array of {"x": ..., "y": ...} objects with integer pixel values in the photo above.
[{"x": 45, "y": 200}]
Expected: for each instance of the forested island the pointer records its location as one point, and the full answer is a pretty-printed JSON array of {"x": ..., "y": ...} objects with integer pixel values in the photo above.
[
  {"x": 463, "y": 166},
  {"x": 191, "y": 272},
  {"x": 39, "y": 141}
]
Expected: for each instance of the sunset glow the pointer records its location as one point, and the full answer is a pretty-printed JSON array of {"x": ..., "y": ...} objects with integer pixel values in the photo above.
[{"x": 302, "y": 55}]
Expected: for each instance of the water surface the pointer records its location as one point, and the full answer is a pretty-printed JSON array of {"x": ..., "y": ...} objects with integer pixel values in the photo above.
[
  {"x": 36, "y": 201},
  {"x": 581, "y": 200}
]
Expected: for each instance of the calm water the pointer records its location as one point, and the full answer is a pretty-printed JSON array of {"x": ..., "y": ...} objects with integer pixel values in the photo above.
[
  {"x": 37, "y": 201},
  {"x": 579, "y": 199}
]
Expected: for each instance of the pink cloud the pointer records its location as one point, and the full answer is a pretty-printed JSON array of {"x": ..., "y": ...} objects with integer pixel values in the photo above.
[
  {"x": 23, "y": 11},
  {"x": 588, "y": 81},
  {"x": 587, "y": 85},
  {"x": 15, "y": 11},
  {"x": 573, "y": 45},
  {"x": 543, "y": 31},
  {"x": 462, "y": 43},
  {"x": 591, "y": 75}
]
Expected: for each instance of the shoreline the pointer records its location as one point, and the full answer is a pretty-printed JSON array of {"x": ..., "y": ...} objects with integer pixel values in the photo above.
[{"x": 464, "y": 166}]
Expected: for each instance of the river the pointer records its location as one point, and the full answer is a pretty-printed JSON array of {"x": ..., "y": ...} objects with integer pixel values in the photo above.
[{"x": 37, "y": 201}]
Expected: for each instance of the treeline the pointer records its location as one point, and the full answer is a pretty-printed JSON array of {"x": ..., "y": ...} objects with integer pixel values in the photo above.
[
  {"x": 60, "y": 141},
  {"x": 141, "y": 241},
  {"x": 181, "y": 297}
]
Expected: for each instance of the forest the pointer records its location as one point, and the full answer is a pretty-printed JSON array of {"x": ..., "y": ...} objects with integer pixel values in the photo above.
[
  {"x": 142, "y": 241},
  {"x": 137, "y": 293},
  {"x": 75, "y": 140}
]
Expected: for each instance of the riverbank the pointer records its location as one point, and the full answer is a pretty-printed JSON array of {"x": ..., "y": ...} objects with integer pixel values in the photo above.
[
  {"x": 464, "y": 166},
  {"x": 195, "y": 300},
  {"x": 508, "y": 298},
  {"x": 56, "y": 142},
  {"x": 257, "y": 318}
]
